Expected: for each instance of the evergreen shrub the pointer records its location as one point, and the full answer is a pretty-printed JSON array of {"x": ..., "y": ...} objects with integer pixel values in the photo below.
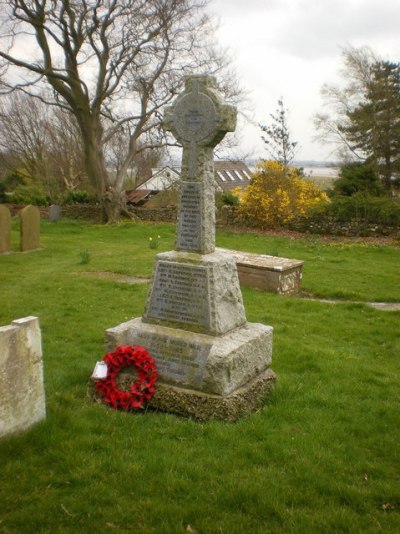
[
  {"x": 78, "y": 197},
  {"x": 366, "y": 208}
]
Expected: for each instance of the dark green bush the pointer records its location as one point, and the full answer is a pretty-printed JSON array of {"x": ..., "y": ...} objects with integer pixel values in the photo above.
[
  {"x": 28, "y": 194},
  {"x": 14, "y": 179},
  {"x": 228, "y": 199},
  {"x": 78, "y": 197},
  {"x": 358, "y": 177},
  {"x": 365, "y": 208}
]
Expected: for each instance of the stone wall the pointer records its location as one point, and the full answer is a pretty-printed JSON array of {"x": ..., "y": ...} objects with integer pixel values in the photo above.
[
  {"x": 88, "y": 212},
  {"x": 353, "y": 228},
  {"x": 228, "y": 216},
  {"x": 93, "y": 213},
  {"x": 168, "y": 214},
  {"x": 323, "y": 225},
  {"x": 22, "y": 398}
]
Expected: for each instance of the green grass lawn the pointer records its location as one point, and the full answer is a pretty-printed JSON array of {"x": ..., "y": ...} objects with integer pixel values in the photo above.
[{"x": 322, "y": 456}]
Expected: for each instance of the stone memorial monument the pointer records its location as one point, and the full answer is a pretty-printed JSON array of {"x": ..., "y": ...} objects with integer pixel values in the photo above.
[{"x": 212, "y": 363}]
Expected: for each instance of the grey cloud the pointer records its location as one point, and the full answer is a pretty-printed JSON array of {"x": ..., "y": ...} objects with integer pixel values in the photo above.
[{"x": 315, "y": 29}]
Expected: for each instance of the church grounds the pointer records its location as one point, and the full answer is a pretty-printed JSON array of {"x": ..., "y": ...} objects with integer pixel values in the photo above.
[{"x": 321, "y": 456}]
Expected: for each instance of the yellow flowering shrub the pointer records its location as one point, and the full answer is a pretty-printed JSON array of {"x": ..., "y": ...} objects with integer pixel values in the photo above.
[{"x": 277, "y": 195}]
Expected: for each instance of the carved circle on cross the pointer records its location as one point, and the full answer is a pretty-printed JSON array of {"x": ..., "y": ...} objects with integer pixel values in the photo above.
[{"x": 195, "y": 118}]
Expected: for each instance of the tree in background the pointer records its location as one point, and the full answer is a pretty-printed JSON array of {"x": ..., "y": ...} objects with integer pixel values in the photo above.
[
  {"x": 365, "y": 123},
  {"x": 113, "y": 64},
  {"x": 357, "y": 177},
  {"x": 277, "y": 195},
  {"x": 40, "y": 144},
  {"x": 23, "y": 127},
  {"x": 279, "y": 144}
]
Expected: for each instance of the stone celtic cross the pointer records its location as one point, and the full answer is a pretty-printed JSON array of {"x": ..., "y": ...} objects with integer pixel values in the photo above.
[{"x": 198, "y": 119}]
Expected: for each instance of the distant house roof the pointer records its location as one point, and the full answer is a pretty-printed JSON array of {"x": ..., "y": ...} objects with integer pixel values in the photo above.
[
  {"x": 230, "y": 174},
  {"x": 135, "y": 196},
  {"x": 161, "y": 179}
]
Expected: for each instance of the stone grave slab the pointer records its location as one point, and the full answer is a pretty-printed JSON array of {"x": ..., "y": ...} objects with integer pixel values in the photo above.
[
  {"x": 5, "y": 229},
  {"x": 271, "y": 273},
  {"x": 29, "y": 228}
]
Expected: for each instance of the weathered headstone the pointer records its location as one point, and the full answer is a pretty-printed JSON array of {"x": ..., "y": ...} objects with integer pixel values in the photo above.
[
  {"x": 5, "y": 229},
  {"x": 29, "y": 228},
  {"x": 22, "y": 397},
  {"x": 54, "y": 212},
  {"x": 211, "y": 362}
]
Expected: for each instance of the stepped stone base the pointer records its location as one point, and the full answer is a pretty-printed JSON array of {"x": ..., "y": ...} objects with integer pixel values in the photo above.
[
  {"x": 216, "y": 365},
  {"x": 204, "y": 406}
]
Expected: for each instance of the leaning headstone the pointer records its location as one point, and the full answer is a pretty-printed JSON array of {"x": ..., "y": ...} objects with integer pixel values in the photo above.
[
  {"x": 22, "y": 397},
  {"x": 29, "y": 228},
  {"x": 5, "y": 229},
  {"x": 211, "y": 362},
  {"x": 54, "y": 212}
]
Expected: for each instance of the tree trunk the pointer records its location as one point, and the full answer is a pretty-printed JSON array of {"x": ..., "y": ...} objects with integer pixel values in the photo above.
[
  {"x": 114, "y": 206},
  {"x": 109, "y": 187},
  {"x": 96, "y": 169}
]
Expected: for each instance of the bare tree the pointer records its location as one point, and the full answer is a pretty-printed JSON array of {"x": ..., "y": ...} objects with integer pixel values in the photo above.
[
  {"x": 340, "y": 101},
  {"x": 65, "y": 154},
  {"x": 23, "y": 127},
  {"x": 113, "y": 64},
  {"x": 364, "y": 118},
  {"x": 43, "y": 142}
]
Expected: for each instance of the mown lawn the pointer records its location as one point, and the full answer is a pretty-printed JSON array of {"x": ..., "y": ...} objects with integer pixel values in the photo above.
[{"x": 322, "y": 456}]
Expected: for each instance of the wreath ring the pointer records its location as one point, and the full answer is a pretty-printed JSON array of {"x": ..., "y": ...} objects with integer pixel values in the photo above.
[{"x": 141, "y": 391}]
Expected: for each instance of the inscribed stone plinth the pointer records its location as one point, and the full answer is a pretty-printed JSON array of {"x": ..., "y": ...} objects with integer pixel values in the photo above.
[
  {"x": 5, "y": 229},
  {"x": 29, "y": 228},
  {"x": 196, "y": 292},
  {"x": 22, "y": 398}
]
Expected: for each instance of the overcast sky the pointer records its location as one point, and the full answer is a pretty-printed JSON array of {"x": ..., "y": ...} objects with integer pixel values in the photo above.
[{"x": 290, "y": 48}]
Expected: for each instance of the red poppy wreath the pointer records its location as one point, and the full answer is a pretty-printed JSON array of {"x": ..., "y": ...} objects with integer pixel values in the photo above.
[{"x": 140, "y": 391}]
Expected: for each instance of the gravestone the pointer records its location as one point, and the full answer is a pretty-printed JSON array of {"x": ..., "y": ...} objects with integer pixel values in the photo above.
[
  {"x": 271, "y": 273},
  {"x": 212, "y": 363},
  {"x": 54, "y": 212},
  {"x": 5, "y": 229},
  {"x": 22, "y": 397},
  {"x": 29, "y": 228}
]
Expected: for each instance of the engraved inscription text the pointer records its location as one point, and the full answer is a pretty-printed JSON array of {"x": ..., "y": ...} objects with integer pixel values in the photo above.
[
  {"x": 189, "y": 234},
  {"x": 180, "y": 294}
]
